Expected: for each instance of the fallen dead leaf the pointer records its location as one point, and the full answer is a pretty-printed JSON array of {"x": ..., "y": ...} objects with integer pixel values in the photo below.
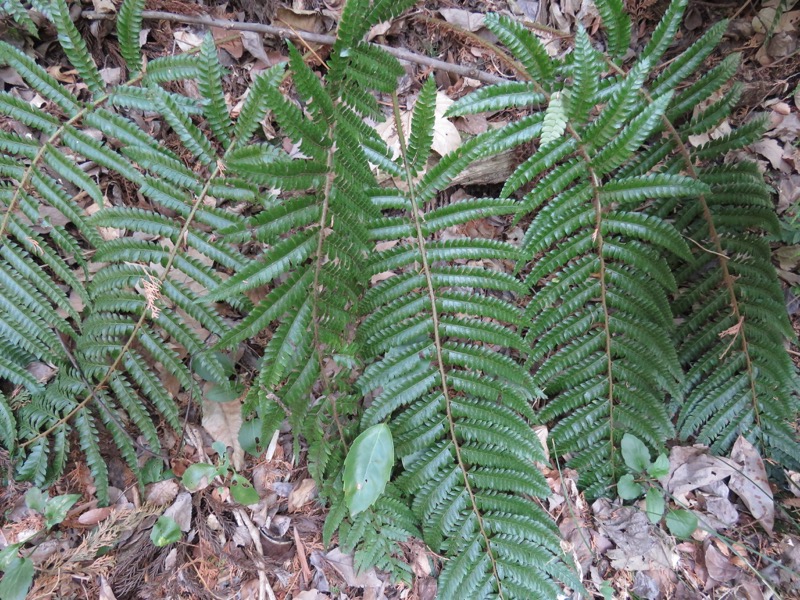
[
  {"x": 445, "y": 134},
  {"x": 719, "y": 566},
  {"x": 302, "y": 494},
  {"x": 343, "y": 565},
  {"x": 750, "y": 483},
  {"x": 693, "y": 467},
  {"x": 95, "y": 515},
  {"x": 181, "y": 511},
  {"x": 223, "y": 420},
  {"x": 162, "y": 492},
  {"x": 104, "y": 6},
  {"x": 254, "y": 44},
  {"x": 187, "y": 40},
  {"x": 466, "y": 20}
]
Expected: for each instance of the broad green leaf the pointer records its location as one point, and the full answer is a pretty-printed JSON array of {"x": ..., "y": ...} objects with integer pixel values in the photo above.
[
  {"x": 250, "y": 437},
  {"x": 36, "y": 500},
  {"x": 681, "y": 523},
  {"x": 660, "y": 468},
  {"x": 628, "y": 489},
  {"x": 243, "y": 491},
  {"x": 165, "y": 531},
  {"x": 198, "y": 476},
  {"x": 654, "y": 504},
  {"x": 224, "y": 393},
  {"x": 367, "y": 468},
  {"x": 153, "y": 471},
  {"x": 17, "y": 578},
  {"x": 635, "y": 453},
  {"x": 56, "y": 508},
  {"x": 223, "y": 360},
  {"x": 607, "y": 590}
]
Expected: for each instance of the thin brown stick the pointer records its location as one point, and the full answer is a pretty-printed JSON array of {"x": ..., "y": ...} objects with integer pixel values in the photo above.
[{"x": 305, "y": 36}]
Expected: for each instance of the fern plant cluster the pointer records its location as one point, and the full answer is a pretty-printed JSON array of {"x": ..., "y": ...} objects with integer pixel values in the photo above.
[{"x": 643, "y": 300}]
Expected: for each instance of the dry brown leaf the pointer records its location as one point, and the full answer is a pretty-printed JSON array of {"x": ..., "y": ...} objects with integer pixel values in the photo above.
[
  {"x": 691, "y": 468},
  {"x": 300, "y": 20},
  {"x": 464, "y": 19},
  {"x": 187, "y": 40},
  {"x": 254, "y": 44},
  {"x": 162, "y": 492},
  {"x": 772, "y": 151},
  {"x": 343, "y": 565},
  {"x": 719, "y": 566},
  {"x": 223, "y": 420},
  {"x": 445, "y": 134},
  {"x": 104, "y": 6},
  {"x": 181, "y": 511},
  {"x": 749, "y": 482},
  {"x": 95, "y": 515},
  {"x": 302, "y": 494}
]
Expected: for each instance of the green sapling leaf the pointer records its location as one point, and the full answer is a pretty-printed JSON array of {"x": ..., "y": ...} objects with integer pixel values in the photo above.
[
  {"x": 660, "y": 468},
  {"x": 628, "y": 489},
  {"x": 243, "y": 491},
  {"x": 56, "y": 509},
  {"x": 198, "y": 476},
  {"x": 17, "y": 579},
  {"x": 654, "y": 505},
  {"x": 36, "y": 500},
  {"x": 681, "y": 523},
  {"x": 635, "y": 453},
  {"x": 367, "y": 468},
  {"x": 165, "y": 531}
]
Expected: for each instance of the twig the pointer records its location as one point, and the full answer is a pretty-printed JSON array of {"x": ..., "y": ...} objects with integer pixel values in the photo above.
[
  {"x": 265, "y": 590},
  {"x": 315, "y": 38}
]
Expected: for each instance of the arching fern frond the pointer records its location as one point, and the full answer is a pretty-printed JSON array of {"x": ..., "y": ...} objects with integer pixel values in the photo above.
[{"x": 458, "y": 405}]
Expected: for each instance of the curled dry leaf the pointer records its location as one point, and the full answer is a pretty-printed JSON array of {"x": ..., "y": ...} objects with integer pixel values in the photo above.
[
  {"x": 223, "y": 420},
  {"x": 162, "y": 492},
  {"x": 749, "y": 481},
  {"x": 95, "y": 515},
  {"x": 302, "y": 494},
  {"x": 181, "y": 511}
]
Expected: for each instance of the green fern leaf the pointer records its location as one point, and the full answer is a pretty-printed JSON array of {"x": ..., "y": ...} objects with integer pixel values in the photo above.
[
  {"x": 75, "y": 48},
  {"x": 617, "y": 25},
  {"x": 555, "y": 118},
  {"x": 38, "y": 78},
  {"x": 20, "y": 15},
  {"x": 510, "y": 94},
  {"x": 422, "y": 126},
  {"x": 210, "y": 85},
  {"x": 129, "y": 27},
  {"x": 525, "y": 47}
]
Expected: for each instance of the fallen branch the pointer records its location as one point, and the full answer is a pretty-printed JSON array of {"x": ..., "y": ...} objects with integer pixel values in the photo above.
[{"x": 306, "y": 36}]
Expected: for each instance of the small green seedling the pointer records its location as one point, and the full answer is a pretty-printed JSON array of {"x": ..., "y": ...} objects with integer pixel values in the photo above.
[
  {"x": 642, "y": 480},
  {"x": 200, "y": 475},
  {"x": 18, "y": 569},
  {"x": 165, "y": 531}
]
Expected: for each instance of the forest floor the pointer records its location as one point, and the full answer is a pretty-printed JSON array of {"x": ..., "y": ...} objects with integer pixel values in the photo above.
[{"x": 106, "y": 552}]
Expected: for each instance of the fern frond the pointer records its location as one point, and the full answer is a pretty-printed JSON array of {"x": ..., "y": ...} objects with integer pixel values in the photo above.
[
  {"x": 39, "y": 79},
  {"x": 20, "y": 15},
  {"x": 516, "y": 94},
  {"x": 525, "y": 47},
  {"x": 617, "y": 24},
  {"x": 129, "y": 27},
  {"x": 739, "y": 378},
  {"x": 210, "y": 85},
  {"x": 75, "y": 47}
]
